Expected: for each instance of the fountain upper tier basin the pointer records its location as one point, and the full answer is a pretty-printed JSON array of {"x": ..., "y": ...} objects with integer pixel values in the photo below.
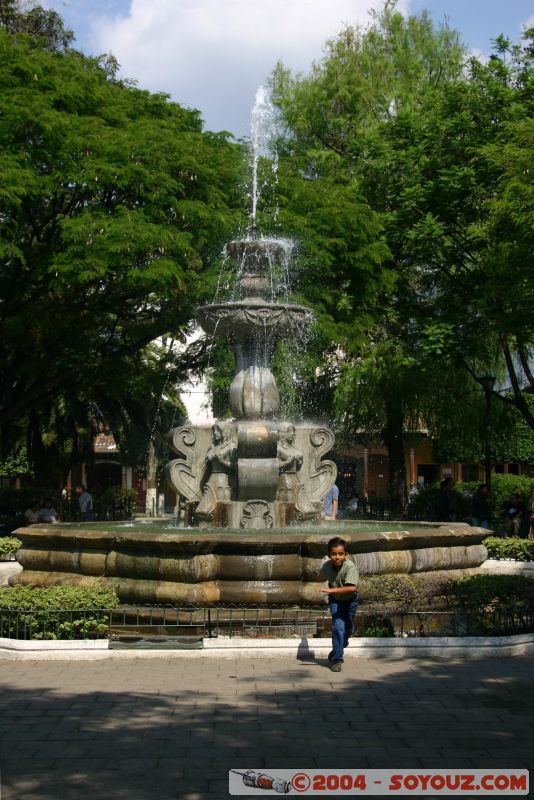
[{"x": 256, "y": 313}]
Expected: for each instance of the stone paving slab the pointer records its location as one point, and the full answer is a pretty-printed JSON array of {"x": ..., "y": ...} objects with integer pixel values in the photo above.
[{"x": 172, "y": 728}]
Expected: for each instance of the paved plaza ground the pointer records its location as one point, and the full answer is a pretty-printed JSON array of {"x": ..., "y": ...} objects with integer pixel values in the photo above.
[{"x": 173, "y": 727}]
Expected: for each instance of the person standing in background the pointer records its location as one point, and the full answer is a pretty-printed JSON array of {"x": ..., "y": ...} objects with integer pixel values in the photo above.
[
  {"x": 481, "y": 510},
  {"x": 85, "y": 504},
  {"x": 331, "y": 500}
]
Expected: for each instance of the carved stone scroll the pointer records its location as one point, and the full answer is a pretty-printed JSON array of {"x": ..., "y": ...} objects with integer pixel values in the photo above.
[
  {"x": 206, "y": 507},
  {"x": 183, "y": 473},
  {"x": 323, "y": 474}
]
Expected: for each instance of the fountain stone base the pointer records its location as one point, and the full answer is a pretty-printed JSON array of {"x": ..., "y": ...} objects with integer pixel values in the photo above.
[{"x": 210, "y": 568}]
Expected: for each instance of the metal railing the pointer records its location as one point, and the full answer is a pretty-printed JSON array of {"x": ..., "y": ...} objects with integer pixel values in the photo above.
[
  {"x": 155, "y": 623},
  {"x": 16, "y": 623}
]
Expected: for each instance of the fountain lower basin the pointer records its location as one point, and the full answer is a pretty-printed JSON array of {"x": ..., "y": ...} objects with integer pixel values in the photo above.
[{"x": 211, "y": 568}]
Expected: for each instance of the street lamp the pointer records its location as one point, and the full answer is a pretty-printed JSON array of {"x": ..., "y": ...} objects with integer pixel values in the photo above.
[{"x": 487, "y": 382}]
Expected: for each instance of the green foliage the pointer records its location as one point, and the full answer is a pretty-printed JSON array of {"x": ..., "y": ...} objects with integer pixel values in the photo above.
[
  {"x": 460, "y": 436},
  {"x": 44, "y": 25},
  {"x": 438, "y": 146},
  {"x": 114, "y": 205},
  {"x": 9, "y": 545},
  {"x": 55, "y": 612},
  {"x": 375, "y": 627},
  {"x": 511, "y": 547},
  {"x": 15, "y": 465},
  {"x": 477, "y": 594},
  {"x": 120, "y": 502},
  {"x": 341, "y": 119},
  {"x": 502, "y": 488},
  {"x": 487, "y": 593},
  {"x": 401, "y": 593},
  {"x": 400, "y": 590},
  {"x": 423, "y": 505}
]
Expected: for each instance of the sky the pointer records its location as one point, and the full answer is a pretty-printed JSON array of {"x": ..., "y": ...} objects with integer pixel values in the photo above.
[{"x": 213, "y": 54}]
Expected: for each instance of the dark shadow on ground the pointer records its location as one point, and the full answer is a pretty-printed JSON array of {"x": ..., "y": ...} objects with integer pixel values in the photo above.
[{"x": 134, "y": 730}]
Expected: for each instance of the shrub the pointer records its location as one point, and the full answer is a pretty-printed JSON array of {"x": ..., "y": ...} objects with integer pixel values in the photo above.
[
  {"x": 476, "y": 593},
  {"x": 486, "y": 593},
  {"x": 402, "y": 593},
  {"x": 374, "y": 626},
  {"x": 513, "y": 547},
  {"x": 55, "y": 612},
  {"x": 398, "y": 591},
  {"x": 9, "y": 545},
  {"x": 116, "y": 503},
  {"x": 423, "y": 504}
]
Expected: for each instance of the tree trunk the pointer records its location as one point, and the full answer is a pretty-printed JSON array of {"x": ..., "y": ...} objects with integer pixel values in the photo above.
[
  {"x": 46, "y": 474},
  {"x": 394, "y": 440},
  {"x": 151, "y": 506}
]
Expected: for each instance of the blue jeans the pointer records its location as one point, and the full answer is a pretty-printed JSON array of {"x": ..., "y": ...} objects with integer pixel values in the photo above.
[
  {"x": 342, "y": 626},
  {"x": 479, "y": 523}
]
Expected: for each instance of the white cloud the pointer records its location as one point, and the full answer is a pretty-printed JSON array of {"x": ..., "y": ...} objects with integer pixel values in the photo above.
[
  {"x": 212, "y": 54},
  {"x": 480, "y": 55}
]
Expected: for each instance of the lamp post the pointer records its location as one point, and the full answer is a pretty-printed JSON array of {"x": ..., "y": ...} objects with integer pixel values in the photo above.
[{"x": 487, "y": 382}]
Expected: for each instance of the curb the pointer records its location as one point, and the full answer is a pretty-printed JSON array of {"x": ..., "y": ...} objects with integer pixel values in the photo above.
[
  {"x": 469, "y": 647},
  {"x": 503, "y": 566}
]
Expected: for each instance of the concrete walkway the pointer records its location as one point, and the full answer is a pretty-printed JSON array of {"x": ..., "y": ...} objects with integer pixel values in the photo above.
[{"x": 163, "y": 729}]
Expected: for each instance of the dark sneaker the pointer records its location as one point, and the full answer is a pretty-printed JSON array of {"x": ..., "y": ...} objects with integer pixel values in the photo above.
[
  {"x": 330, "y": 655},
  {"x": 336, "y": 667}
]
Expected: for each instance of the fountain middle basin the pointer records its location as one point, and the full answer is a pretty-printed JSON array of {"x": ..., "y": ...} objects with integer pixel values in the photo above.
[{"x": 199, "y": 567}]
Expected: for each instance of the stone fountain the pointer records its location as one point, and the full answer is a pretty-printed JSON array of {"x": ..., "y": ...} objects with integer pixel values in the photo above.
[
  {"x": 254, "y": 471},
  {"x": 254, "y": 475}
]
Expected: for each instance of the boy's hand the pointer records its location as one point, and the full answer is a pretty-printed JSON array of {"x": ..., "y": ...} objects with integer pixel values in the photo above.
[{"x": 325, "y": 591}]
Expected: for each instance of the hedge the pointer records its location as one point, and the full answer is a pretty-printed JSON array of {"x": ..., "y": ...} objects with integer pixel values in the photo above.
[
  {"x": 475, "y": 593},
  {"x": 487, "y": 593},
  {"x": 9, "y": 545},
  {"x": 512, "y": 547},
  {"x": 55, "y": 612}
]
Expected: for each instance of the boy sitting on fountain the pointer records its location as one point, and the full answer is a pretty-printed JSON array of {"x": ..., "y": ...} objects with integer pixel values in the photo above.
[{"x": 343, "y": 578}]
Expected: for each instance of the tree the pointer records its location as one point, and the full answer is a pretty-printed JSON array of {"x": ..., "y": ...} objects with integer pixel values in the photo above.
[
  {"x": 341, "y": 117},
  {"x": 438, "y": 145},
  {"x": 113, "y": 202},
  {"x": 46, "y": 25}
]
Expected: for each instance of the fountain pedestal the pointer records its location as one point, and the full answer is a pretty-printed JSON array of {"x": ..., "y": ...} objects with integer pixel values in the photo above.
[
  {"x": 253, "y": 471},
  {"x": 224, "y": 486}
]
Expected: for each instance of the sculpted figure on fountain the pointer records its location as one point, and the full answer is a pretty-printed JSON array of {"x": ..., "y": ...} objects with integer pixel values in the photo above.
[{"x": 219, "y": 470}]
